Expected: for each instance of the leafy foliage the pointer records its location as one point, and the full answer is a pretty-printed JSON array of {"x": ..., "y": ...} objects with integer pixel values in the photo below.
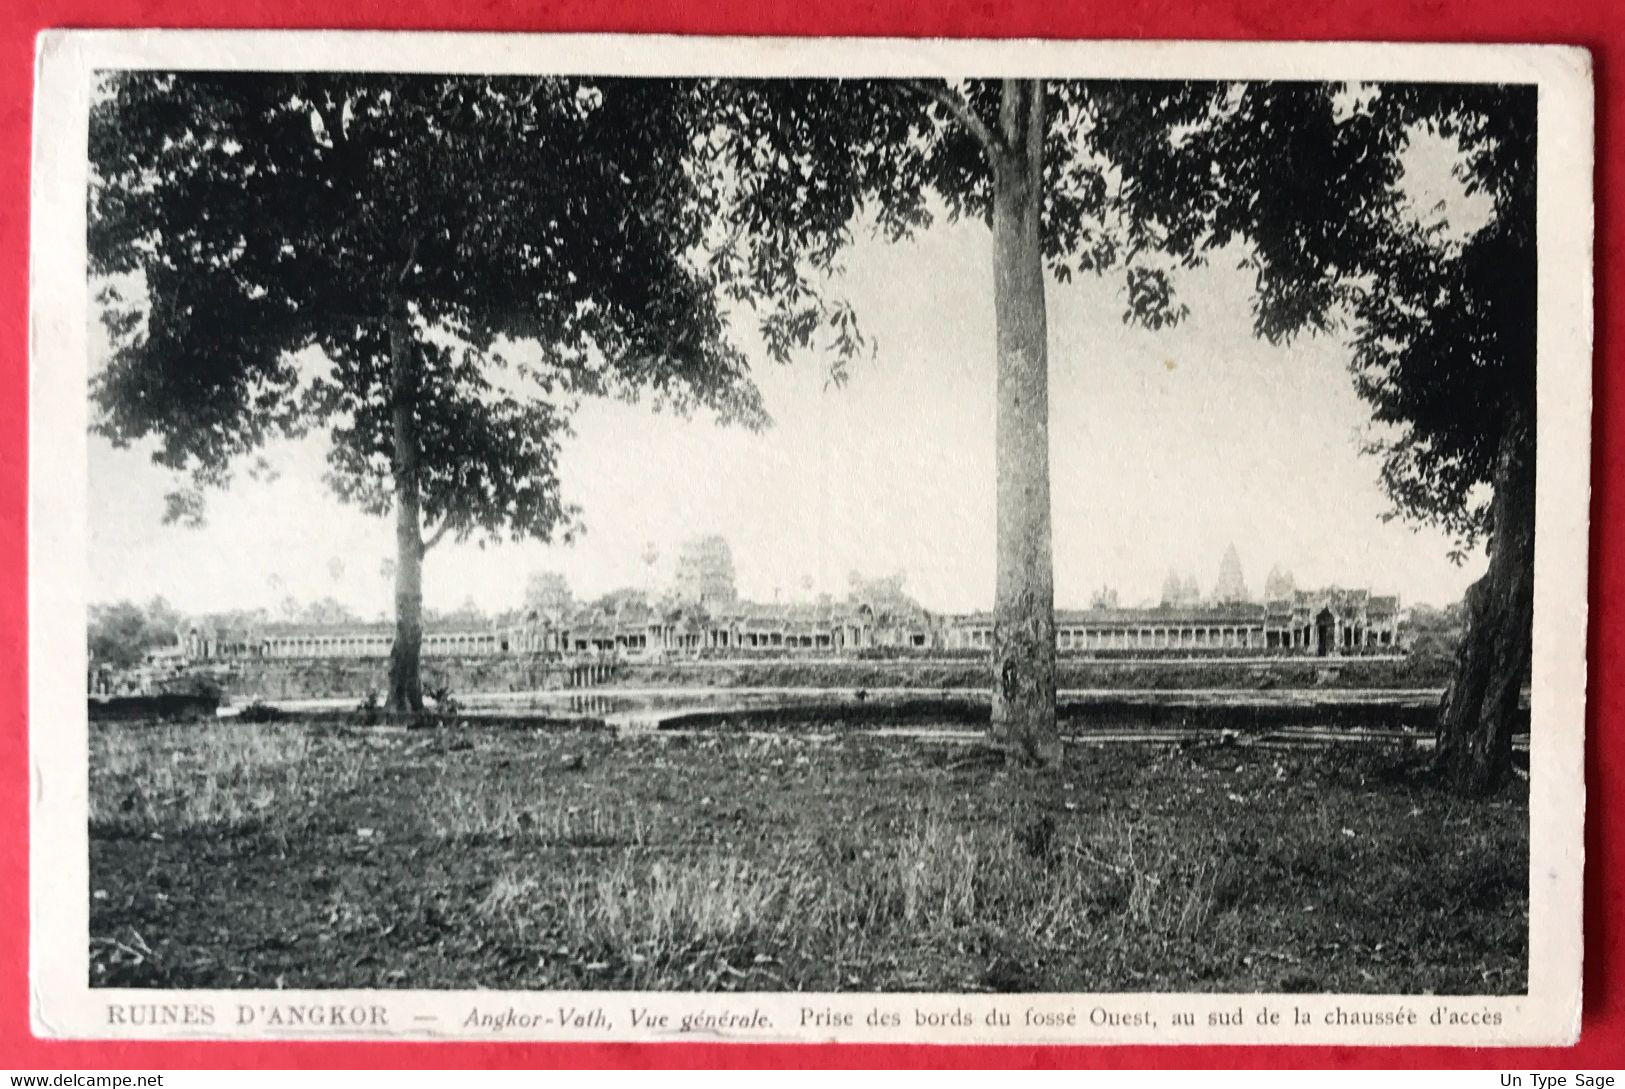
[
  {"x": 326, "y": 611},
  {"x": 121, "y": 633},
  {"x": 1442, "y": 324},
  {"x": 1141, "y": 178},
  {"x": 806, "y": 158},
  {"x": 254, "y": 233},
  {"x": 241, "y": 218},
  {"x": 548, "y": 593},
  {"x": 1445, "y": 349}
]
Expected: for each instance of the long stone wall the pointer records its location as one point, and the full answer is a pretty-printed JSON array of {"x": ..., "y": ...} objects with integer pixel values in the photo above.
[
  {"x": 315, "y": 678},
  {"x": 353, "y": 679}
]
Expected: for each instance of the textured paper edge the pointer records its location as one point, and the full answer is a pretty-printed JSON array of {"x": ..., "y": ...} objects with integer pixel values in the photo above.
[{"x": 64, "y": 1005}]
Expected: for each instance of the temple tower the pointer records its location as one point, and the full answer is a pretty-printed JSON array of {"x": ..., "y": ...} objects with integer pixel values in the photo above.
[{"x": 1231, "y": 587}]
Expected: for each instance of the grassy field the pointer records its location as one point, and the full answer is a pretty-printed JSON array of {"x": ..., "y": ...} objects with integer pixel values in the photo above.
[{"x": 291, "y": 855}]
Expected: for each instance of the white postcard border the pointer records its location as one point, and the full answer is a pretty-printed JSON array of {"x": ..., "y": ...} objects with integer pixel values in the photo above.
[{"x": 64, "y": 1005}]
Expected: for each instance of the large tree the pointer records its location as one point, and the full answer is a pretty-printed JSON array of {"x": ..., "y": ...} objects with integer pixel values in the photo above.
[
  {"x": 350, "y": 252},
  {"x": 121, "y": 633},
  {"x": 1438, "y": 301},
  {"x": 1446, "y": 357},
  {"x": 1303, "y": 184},
  {"x": 1137, "y": 178},
  {"x": 807, "y": 158}
]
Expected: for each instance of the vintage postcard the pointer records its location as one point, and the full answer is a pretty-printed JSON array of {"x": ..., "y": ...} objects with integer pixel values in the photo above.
[{"x": 640, "y": 538}]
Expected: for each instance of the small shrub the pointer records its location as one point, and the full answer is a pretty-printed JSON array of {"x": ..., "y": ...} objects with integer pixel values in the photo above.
[
  {"x": 260, "y": 712},
  {"x": 366, "y": 712},
  {"x": 444, "y": 702}
]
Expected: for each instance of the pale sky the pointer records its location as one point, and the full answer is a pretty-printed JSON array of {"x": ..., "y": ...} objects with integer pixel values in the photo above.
[{"x": 1165, "y": 447}]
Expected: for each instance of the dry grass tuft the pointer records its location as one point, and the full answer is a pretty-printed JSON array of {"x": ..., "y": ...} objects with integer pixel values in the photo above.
[
  {"x": 651, "y": 910},
  {"x": 512, "y": 813},
  {"x": 211, "y": 780}
]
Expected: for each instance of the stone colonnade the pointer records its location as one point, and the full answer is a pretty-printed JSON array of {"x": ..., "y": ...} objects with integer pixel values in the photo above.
[
  {"x": 1161, "y": 637},
  {"x": 585, "y": 676}
]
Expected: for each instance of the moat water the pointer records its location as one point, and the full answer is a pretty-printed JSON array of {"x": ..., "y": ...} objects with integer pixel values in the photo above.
[{"x": 1277, "y": 716}]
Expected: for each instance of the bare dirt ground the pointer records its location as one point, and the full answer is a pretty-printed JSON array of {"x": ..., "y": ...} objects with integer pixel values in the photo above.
[{"x": 311, "y": 856}]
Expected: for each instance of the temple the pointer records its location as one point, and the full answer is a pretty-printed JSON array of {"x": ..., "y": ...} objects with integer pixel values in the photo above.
[
  {"x": 1317, "y": 622},
  {"x": 703, "y": 615}
]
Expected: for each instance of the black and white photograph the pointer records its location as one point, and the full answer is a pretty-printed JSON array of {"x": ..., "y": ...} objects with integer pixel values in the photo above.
[{"x": 845, "y": 543}]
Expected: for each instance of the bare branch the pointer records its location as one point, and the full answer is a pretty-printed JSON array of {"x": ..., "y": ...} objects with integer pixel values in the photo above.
[
  {"x": 961, "y": 109},
  {"x": 411, "y": 258}
]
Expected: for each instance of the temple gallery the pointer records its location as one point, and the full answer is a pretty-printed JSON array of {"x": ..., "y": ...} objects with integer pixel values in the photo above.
[{"x": 702, "y": 614}]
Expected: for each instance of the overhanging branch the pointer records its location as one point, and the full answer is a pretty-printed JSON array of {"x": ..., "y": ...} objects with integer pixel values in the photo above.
[
  {"x": 436, "y": 537},
  {"x": 411, "y": 259},
  {"x": 961, "y": 109}
]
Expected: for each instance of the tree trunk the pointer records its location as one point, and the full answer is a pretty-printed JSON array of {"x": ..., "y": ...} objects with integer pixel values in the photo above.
[
  {"x": 1024, "y": 594},
  {"x": 1480, "y": 708},
  {"x": 405, "y": 676}
]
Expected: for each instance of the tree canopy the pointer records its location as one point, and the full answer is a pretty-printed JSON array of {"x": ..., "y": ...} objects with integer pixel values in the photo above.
[
  {"x": 1445, "y": 350},
  {"x": 242, "y": 219},
  {"x": 351, "y": 252},
  {"x": 121, "y": 633},
  {"x": 1440, "y": 317}
]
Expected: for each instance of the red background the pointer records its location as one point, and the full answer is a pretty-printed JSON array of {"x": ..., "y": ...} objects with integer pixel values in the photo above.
[{"x": 1597, "y": 24}]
